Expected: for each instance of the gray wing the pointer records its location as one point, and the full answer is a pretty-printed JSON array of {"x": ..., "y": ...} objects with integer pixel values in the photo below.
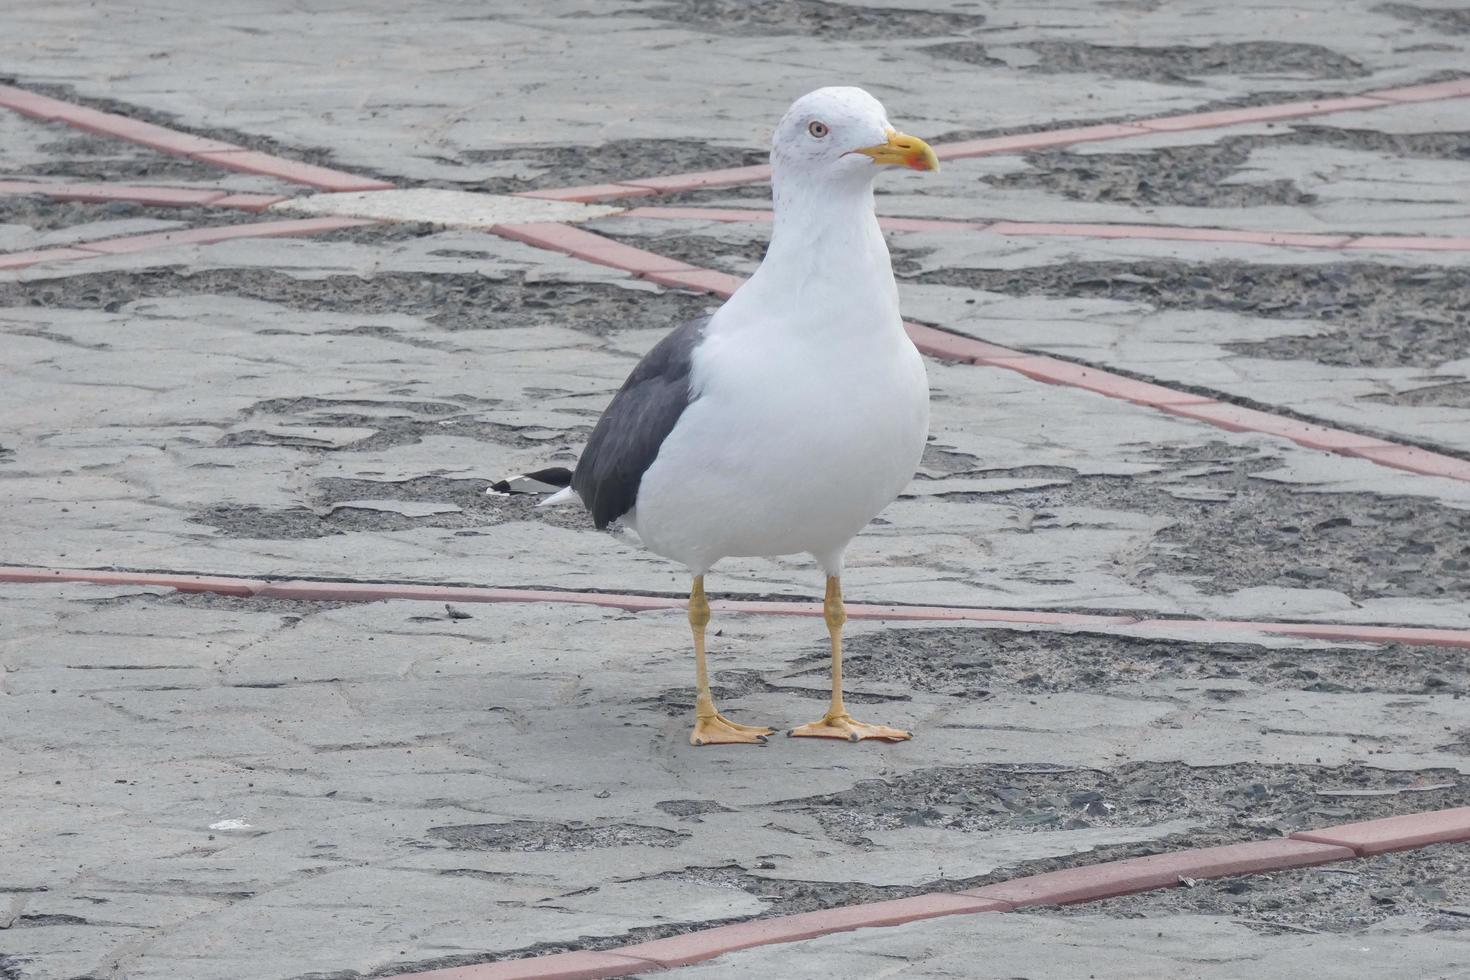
[{"x": 627, "y": 438}]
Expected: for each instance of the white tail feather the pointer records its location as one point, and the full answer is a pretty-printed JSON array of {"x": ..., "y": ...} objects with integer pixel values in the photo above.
[{"x": 561, "y": 498}]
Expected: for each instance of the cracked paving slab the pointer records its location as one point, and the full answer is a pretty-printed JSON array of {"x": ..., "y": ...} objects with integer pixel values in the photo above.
[
  {"x": 1367, "y": 172},
  {"x": 288, "y": 789},
  {"x": 439, "y": 362},
  {"x": 1166, "y": 946},
  {"x": 622, "y": 72},
  {"x": 40, "y": 150},
  {"x": 1372, "y": 341}
]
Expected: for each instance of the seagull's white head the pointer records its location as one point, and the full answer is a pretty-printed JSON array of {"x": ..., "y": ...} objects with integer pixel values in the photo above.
[{"x": 842, "y": 134}]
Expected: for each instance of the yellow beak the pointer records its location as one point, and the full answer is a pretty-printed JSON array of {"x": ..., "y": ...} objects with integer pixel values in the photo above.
[{"x": 910, "y": 151}]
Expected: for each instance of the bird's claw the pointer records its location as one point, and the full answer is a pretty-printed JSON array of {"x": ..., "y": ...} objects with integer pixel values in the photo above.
[
  {"x": 716, "y": 729},
  {"x": 845, "y": 727}
]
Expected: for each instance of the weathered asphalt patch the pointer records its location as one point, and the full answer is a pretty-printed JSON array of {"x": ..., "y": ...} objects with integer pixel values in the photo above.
[
  {"x": 451, "y": 301},
  {"x": 1181, "y": 64},
  {"x": 1451, "y": 20},
  {"x": 395, "y": 424},
  {"x": 609, "y": 162},
  {"x": 1448, "y": 394},
  {"x": 1378, "y": 315},
  {"x": 1240, "y": 800},
  {"x": 465, "y": 505},
  {"x": 87, "y": 157},
  {"x": 1209, "y": 174},
  {"x": 41, "y": 213},
  {"x": 1427, "y": 889},
  {"x": 975, "y": 665},
  {"x": 532, "y": 835},
  {"x": 1245, "y": 532},
  {"x": 808, "y": 18}
]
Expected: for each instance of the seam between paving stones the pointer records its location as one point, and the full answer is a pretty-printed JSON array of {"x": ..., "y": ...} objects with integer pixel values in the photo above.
[
  {"x": 591, "y": 247},
  {"x": 352, "y": 591},
  {"x": 1070, "y": 886},
  {"x": 1437, "y": 243}
]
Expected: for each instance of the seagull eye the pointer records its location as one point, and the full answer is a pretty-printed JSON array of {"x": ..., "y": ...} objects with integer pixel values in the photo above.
[{"x": 818, "y": 129}]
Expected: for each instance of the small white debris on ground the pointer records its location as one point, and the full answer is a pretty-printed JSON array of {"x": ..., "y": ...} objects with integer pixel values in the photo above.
[{"x": 231, "y": 824}]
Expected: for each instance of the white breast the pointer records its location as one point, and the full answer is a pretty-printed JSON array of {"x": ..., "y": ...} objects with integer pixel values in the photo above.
[{"x": 810, "y": 416}]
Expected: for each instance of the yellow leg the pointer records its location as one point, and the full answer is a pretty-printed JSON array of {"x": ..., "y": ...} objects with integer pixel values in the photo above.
[
  {"x": 711, "y": 727},
  {"x": 837, "y": 723}
]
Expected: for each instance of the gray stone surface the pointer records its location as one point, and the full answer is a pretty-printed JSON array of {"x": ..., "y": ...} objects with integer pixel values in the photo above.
[
  {"x": 207, "y": 787},
  {"x": 264, "y": 769},
  {"x": 218, "y": 435},
  {"x": 1178, "y": 947},
  {"x": 445, "y": 94},
  {"x": 1350, "y": 352}
]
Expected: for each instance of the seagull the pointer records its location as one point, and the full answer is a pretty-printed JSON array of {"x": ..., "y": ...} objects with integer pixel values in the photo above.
[{"x": 785, "y": 421}]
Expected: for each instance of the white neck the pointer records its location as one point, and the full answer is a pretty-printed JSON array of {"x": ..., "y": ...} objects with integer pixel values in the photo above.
[{"x": 827, "y": 254}]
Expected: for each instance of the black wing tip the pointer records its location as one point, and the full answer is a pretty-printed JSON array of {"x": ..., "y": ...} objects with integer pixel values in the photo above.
[{"x": 556, "y": 476}]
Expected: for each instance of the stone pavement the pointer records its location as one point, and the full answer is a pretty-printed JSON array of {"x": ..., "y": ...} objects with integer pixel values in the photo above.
[
  {"x": 1167, "y": 947},
  {"x": 209, "y": 787}
]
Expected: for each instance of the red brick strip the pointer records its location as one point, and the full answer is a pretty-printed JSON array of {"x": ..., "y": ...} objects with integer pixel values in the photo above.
[
  {"x": 172, "y": 141},
  {"x": 1399, "y": 833},
  {"x": 248, "y": 202},
  {"x": 1457, "y": 89},
  {"x": 1065, "y": 136},
  {"x": 1088, "y": 883},
  {"x": 152, "y": 196},
  {"x": 761, "y": 215},
  {"x": 186, "y": 236},
  {"x": 222, "y": 233},
  {"x": 268, "y": 165},
  {"x": 1260, "y": 113},
  {"x": 1416, "y": 460},
  {"x": 19, "y": 260},
  {"x": 1163, "y": 233},
  {"x": 695, "y": 947},
  {"x": 1171, "y": 233},
  {"x": 311, "y": 591},
  {"x": 1426, "y": 243},
  {"x": 592, "y": 247},
  {"x": 107, "y": 123},
  {"x": 1021, "y": 142},
  {"x": 221, "y": 585},
  {"x": 706, "y": 178},
  {"x": 589, "y": 193},
  {"x": 1114, "y": 878},
  {"x": 580, "y": 965},
  {"x": 1407, "y": 635}
]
